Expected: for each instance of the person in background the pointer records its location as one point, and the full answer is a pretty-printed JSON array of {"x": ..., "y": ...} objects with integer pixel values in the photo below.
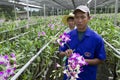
[
  {"x": 68, "y": 20},
  {"x": 86, "y": 42}
]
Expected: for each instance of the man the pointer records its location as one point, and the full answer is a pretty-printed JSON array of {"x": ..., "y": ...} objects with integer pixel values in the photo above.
[
  {"x": 68, "y": 20},
  {"x": 86, "y": 42}
]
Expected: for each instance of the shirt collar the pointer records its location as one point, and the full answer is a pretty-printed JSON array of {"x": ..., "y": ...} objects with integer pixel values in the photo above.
[{"x": 87, "y": 32}]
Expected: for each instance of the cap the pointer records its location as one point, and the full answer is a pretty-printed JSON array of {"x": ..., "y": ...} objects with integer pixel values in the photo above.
[
  {"x": 82, "y": 8},
  {"x": 64, "y": 19}
]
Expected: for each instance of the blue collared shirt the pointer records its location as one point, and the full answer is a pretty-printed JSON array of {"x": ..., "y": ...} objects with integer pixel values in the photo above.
[{"x": 91, "y": 46}]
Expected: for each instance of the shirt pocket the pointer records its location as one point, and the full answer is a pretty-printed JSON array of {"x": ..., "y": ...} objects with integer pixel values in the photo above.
[{"x": 88, "y": 52}]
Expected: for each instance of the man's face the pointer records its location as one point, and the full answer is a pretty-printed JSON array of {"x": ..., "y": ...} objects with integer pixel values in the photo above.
[
  {"x": 81, "y": 20},
  {"x": 71, "y": 23}
]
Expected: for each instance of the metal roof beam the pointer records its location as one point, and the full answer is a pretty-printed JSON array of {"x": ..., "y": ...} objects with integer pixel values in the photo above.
[
  {"x": 103, "y": 4},
  {"x": 56, "y": 4},
  {"x": 73, "y": 4},
  {"x": 21, "y": 4},
  {"x": 59, "y": 4}
]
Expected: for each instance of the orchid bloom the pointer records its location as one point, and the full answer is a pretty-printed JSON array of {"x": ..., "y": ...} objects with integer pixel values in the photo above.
[
  {"x": 60, "y": 42},
  {"x": 1, "y": 60},
  {"x": 75, "y": 62},
  {"x": 58, "y": 65},
  {"x": 41, "y": 34},
  {"x": 51, "y": 26},
  {"x": 13, "y": 57},
  {"x": 9, "y": 69},
  {"x": 1, "y": 75},
  {"x": 4, "y": 59},
  {"x": 64, "y": 38}
]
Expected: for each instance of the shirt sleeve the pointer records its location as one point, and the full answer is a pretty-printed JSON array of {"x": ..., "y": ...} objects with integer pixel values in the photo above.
[{"x": 100, "y": 50}]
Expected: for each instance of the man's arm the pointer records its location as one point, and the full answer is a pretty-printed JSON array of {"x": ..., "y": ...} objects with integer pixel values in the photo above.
[
  {"x": 95, "y": 61},
  {"x": 62, "y": 54}
]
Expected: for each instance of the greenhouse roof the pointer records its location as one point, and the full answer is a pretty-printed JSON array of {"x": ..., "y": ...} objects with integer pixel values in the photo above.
[{"x": 61, "y": 4}]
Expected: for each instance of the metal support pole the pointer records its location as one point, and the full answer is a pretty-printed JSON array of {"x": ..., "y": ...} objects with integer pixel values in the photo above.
[
  {"x": 95, "y": 8},
  {"x": 62, "y": 11},
  {"x": 101, "y": 10},
  {"x": 57, "y": 11},
  {"x": 15, "y": 15},
  {"x": 108, "y": 10},
  {"x": 27, "y": 14},
  {"x": 31, "y": 11},
  {"x": 53, "y": 11},
  {"x": 44, "y": 11},
  {"x": 105, "y": 9},
  {"x": 15, "y": 12},
  {"x": 116, "y": 11},
  {"x": 111, "y": 10}
]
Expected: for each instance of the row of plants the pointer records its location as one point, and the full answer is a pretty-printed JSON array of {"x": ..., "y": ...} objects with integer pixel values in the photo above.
[
  {"x": 12, "y": 30},
  {"x": 110, "y": 17},
  {"x": 104, "y": 26},
  {"x": 11, "y": 25},
  {"x": 27, "y": 46},
  {"x": 42, "y": 65}
]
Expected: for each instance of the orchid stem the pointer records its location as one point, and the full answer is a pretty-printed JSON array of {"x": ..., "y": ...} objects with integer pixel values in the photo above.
[{"x": 65, "y": 57}]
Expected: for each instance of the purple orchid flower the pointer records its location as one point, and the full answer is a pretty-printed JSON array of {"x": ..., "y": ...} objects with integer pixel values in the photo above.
[
  {"x": 9, "y": 69},
  {"x": 64, "y": 38},
  {"x": 43, "y": 33},
  {"x": 52, "y": 27},
  {"x": 4, "y": 59},
  {"x": 1, "y": 75},
  {"x": 39, "y": 34},
  {"x": 74, "y": 67},
  {"x": 13, "y": 56},
  {"x": 1, "y": 60},
  {"x": 49, "y": 25}
]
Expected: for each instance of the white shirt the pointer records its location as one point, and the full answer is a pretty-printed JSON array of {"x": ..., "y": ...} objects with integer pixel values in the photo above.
[{"x": 68, "y": 30}]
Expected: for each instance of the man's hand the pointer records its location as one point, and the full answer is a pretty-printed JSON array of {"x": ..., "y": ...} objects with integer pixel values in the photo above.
[{"x": 68, "y": 52}]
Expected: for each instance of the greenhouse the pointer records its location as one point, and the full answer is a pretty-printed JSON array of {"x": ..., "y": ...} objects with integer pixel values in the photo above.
[{"x": 59, "y": 39}]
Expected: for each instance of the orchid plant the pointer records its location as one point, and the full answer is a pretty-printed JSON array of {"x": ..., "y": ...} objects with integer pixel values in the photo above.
[
  {"x": 63, "y": 39},
  {"x": 41, "y": 34},
  {"x": 7, "y": 66},
  {"x": 51, "y": 26},
  {"x": 75, "y": 61}
]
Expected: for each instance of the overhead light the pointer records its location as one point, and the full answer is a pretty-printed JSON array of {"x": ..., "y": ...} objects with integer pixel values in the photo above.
[
  {"x": 89, "y": 1},
  {"x": 21, "y": 3}
]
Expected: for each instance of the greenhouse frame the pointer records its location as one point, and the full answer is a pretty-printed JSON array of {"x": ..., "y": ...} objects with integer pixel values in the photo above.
[{"x": 29, "y": 30}]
